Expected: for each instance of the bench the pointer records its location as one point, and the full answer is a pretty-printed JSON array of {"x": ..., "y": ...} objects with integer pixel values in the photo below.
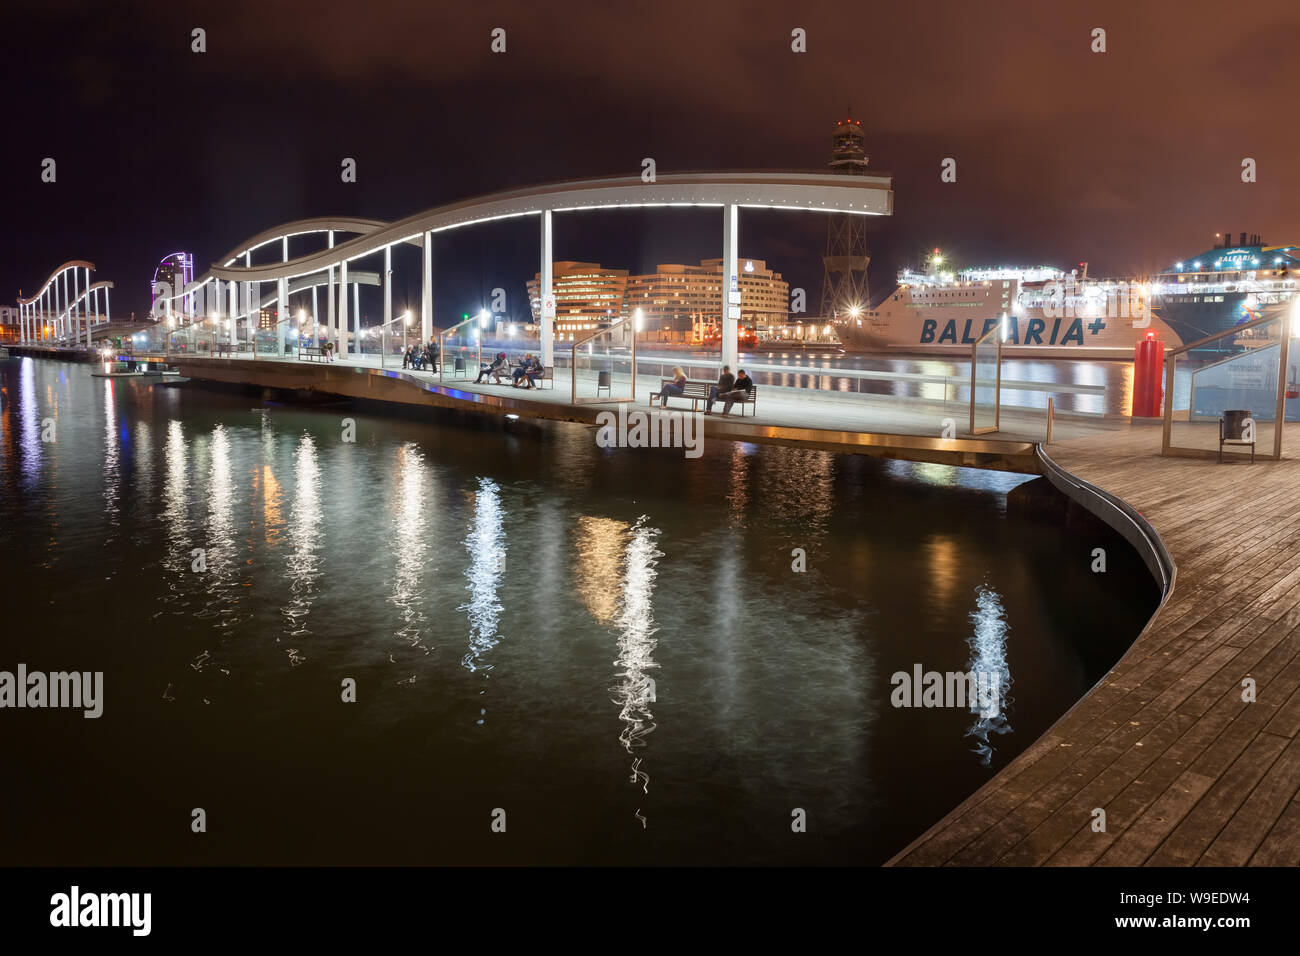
[
  {"x": 698, "y": 391},
  {"x": 548, "y": 375},
  {"x": 695, "y": 392},
  {"x": 313, "y": 353}
]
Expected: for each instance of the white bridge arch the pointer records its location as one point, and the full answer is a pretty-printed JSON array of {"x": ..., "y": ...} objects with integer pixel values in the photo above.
[
  {"x": 730, "y": 191},
  {"x": 55, "y": 312}
]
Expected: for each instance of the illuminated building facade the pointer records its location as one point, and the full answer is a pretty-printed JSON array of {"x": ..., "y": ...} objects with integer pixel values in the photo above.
[
  {"x": 682, "y": 303},
  {"x": 177, "y": 272},
  {"x": 587, "y": 296}
]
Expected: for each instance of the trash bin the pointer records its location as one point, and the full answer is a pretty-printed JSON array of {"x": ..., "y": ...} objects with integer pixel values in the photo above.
[{"x": 1234, "y": 423}]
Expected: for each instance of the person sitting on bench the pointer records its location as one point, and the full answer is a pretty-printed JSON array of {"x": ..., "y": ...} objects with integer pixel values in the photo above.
[
  {"x": 726, "y": 382},
  {"x": 484, "y": 369},
  {"x": 676, "y": 387},
  {"x": 521, "y": 370},
  {"x": 534, "y": 373},
  {"x": 741, "y": 391}
]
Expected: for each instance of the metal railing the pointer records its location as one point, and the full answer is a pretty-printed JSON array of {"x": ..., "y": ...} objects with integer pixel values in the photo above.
[{"x": 1251, "y": 383}]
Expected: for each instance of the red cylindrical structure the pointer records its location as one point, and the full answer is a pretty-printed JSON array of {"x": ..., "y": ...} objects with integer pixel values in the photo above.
[{"x": 1148, "y": 377}]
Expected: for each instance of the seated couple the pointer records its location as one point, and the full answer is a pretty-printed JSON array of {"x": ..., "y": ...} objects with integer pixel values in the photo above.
[{"x": 730, "y": 389}]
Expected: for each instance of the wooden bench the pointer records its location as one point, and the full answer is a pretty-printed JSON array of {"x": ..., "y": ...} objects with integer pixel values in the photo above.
[
  {"x": 751, "y": 401},
  {"x": 695, "y": 392},
  {"x": 548, "y": 375},
  {"x": 313, "y": 353}
]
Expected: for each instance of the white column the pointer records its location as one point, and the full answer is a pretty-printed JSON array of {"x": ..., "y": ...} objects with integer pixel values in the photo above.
[
  {"x": 232, "y": 309},
  {"x": 388, "y": 291},
  {"x": 282, "y": 327},
  {"x": 76, "y": 311},
  {"x": 314, "y": 316},
  {"x": 344, "y": 348},
  {"x": 332, "y": 319},
  {"x": 730, "y": 300},
  {"x": 89, "y": 313},
  {"x": 108, "y": 315},
  {"x": 356, "y": 314},
  {"x": 426, "y": 291},
  {"x": 283, "y": 295},
  {"x": 548, "y": 307}
]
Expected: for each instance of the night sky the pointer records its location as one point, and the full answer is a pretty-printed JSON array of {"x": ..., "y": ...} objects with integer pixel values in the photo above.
[{"x": 1129, "y": 159}]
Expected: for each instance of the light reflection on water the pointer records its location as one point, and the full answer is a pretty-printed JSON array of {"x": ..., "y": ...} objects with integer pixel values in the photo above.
[
  {"x": 305, "y": 534},
  {"x": 486, "y": 546},
  {"x": 411, "y": 530},
  {"x": 743, "y": 687},
  {"x": 988, "y": 661},
  {"x": 636, "y": 644}
]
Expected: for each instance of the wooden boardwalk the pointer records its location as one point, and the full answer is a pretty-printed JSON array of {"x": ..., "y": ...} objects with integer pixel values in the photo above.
[{"x": 1187, "y": 772}]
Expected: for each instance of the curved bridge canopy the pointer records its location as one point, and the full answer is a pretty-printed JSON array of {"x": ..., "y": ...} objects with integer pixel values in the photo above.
[
  {"x": 730, "y": 191},
  {"x": 821, "y": 192},
  {"x": 68, "y": 266}
]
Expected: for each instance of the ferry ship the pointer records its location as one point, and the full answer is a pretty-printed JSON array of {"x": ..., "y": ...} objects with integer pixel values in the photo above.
[
  {"x": 1224, "y": 287},
  {"x": 1045, "y": 312}
]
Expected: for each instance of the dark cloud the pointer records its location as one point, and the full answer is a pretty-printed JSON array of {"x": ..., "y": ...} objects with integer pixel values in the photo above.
[{"x": 1128, "y": 159}]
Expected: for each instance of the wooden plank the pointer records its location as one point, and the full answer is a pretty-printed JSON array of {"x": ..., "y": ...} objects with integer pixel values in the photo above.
[{"x": 1219, "y": 782}]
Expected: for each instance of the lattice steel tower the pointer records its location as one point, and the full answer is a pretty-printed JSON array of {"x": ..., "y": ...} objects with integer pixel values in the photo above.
[{"x": 844, "y": 289}]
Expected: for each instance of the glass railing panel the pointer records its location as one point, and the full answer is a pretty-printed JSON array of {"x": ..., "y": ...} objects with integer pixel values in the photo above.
[
  {"x": 603, "y": 367},
  {"x": 985, "y": 390},
  {"x": 1228, "y": 387}
]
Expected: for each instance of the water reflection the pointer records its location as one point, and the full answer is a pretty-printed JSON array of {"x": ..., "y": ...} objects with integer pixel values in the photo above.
[
  {"x": 30, "y": 427},
  {"x": 988, "y": 661},
  {"x": 305, "y": 534},
  {"x": 636, "y": 690},
  {"x": 487, "y": 558},
  {"x": 599, "y": 565},
  {"x": 219, "y": 546},
  {"x": 112, "y": 464},
  {"x": 175, "y": 505},
  {"x": 411, "y": 534}
]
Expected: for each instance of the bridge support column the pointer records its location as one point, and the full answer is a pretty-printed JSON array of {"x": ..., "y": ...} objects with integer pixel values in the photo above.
[
  {"x": 232, "y": 309},
  {"x": 356, "y": 314},
  {"x": 388, "y": 298},
  {"x": 76, "y": 311},
  {"x": 282, "y": 294},
  {"x": 331, "y": 319},
  {"x": 344, "y": 345},
  {"x": 108, "y": 315},
  {"x": 548, "y": 304},
  {"x": 426, "y": 290},
  {"x": 315, "y": 316},
  {"x": 730, "y": 286},
  {"x": 285, "y": 319},
  {"x": 89, "y": 312}
]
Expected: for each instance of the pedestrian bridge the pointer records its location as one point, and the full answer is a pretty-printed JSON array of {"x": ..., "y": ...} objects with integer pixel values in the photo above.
[{"x": 238, "y": 279}]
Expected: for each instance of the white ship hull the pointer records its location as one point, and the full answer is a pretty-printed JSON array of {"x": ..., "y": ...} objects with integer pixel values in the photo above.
[{"x": 948, "y": 319}]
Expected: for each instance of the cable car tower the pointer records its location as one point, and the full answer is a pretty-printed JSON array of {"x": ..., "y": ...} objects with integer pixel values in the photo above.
[{"x": 844, "y": 289}]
